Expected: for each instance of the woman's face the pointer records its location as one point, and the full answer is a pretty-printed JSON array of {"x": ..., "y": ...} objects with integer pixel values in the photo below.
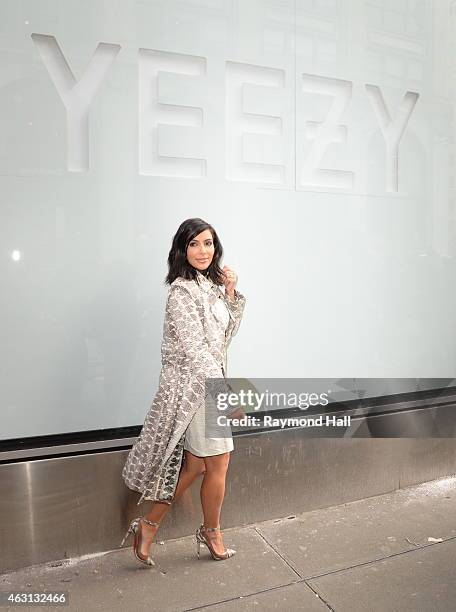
[{"x": 200, "y": 250}]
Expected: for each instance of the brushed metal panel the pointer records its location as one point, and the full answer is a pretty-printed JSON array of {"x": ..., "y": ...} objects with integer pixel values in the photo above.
[{"x": 66, "y": 507}]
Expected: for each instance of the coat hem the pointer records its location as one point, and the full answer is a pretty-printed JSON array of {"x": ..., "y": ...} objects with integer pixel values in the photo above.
[{"x": 144, "y": 498}]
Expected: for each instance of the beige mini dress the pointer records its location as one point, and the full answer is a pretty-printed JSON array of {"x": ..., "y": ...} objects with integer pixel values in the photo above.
[{"x": 195, "y": 440}]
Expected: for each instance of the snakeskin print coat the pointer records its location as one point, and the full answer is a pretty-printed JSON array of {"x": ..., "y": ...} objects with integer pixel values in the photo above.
[{"x": 194, "y": 348}]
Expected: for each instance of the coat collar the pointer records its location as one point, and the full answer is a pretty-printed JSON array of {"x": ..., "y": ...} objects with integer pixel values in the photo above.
[{"x": 206, "y": 284}]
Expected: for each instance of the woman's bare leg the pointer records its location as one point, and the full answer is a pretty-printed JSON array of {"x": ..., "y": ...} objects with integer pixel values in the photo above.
[
  {"x": 192, "y": 467},
  {"x": 212, "y": 495}
]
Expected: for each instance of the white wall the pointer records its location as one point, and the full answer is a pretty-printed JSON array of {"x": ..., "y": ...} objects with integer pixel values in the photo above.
[{"x": 316, "y": 136}]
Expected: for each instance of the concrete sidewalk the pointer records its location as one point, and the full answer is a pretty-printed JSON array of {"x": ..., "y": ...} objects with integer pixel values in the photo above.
[{"x": 394, "y": 552}]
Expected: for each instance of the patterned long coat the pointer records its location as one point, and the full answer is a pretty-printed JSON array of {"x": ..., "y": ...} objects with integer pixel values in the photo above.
[{"x": 194, "y": 348}]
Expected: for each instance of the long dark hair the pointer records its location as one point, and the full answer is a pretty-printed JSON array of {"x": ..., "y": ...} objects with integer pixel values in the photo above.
[{"x": 178, "y": 264}]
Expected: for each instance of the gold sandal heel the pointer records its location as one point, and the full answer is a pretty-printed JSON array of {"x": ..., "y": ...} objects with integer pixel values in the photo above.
[
  {"x": 135, "y": 529},
  {"x": 200, "y": 539},
  {"x": 131, "y": 530}
]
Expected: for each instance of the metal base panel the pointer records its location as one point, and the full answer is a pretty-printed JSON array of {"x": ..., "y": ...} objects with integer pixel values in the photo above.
[{"x": 61, "y": 508}]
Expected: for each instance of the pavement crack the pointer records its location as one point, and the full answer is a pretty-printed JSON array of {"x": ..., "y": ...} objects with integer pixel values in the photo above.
[
  {"x": 398, "y": 554},
  {"x": 253, "y": 594},
  {"x": 319, "y": 595},
  {"x": 301, "y": 578},
  {"x": 278, "y": 553}
]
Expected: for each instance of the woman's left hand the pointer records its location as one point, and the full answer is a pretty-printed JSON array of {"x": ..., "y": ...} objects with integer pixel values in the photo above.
[{"x": 230, "y": 280}]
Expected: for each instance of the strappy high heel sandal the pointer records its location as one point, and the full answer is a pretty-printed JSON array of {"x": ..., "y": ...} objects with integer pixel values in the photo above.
[
  {"x": 200, "y": 539},
  {"x": 135, "y": 529}
]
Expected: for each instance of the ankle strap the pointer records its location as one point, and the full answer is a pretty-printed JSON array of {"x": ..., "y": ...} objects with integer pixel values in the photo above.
[
  {"x": 210, "y": 528},
  {"x": 150, "y": 522}
]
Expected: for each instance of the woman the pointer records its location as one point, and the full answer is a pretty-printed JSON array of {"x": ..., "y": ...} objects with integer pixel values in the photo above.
[{"x": 172, "y": 449}]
